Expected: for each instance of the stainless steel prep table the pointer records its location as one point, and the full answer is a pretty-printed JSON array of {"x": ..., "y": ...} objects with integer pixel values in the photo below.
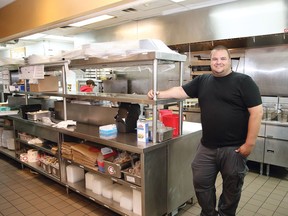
[{"x": 166, "y": 167}]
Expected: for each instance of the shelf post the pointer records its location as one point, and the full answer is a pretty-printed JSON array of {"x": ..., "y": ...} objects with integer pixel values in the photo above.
[
  {"x": 155, "y": 89},
  {"x": 64, "y": 87},
  {"x": 180, "y": 104}
]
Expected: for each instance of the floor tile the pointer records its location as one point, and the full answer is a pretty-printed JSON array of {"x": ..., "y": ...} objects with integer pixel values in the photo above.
[{"x": 24, "y": 193}]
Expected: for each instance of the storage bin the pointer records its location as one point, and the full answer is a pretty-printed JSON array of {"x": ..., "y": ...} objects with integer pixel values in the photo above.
[
  {"x": 74, "y": 173},
  {"x": 172, "y": 120},
  {"x": 126, "y": 201},
  {"x": 11, "y": 144},
  {"x": 114, "y": 169},
  {"x": 137, "y": 209},
  {"x": 164, "y": 112},
  {"x": 6, "y": 134},
  {"x": 89, "y": 178},
  {"x": 107, "y": 191},
  {"x": 98, "y": 184},
  {"x": 118, "y": 192},
  {"x": 131, "y": 178}
]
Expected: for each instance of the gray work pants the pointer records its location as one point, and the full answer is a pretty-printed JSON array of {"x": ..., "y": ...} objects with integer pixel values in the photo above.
[{"x": 206, "y": 165}]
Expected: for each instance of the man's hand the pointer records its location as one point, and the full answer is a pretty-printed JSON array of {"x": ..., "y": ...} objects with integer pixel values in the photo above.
[
  {"x": 245, "y": 149},
  {"x": 151, "y": 94}
]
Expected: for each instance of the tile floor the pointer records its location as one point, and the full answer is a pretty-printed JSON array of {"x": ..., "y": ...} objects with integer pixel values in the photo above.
[{"x": 25, "y": 193}]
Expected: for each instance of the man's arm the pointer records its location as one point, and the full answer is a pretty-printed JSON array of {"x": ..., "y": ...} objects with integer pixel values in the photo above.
[
  {"x": 254, "y": 124},
  {"x": 174, "y": 92}
]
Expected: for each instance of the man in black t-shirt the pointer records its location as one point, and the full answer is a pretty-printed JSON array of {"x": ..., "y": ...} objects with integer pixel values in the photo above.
[{"x": 231, "y": 113}]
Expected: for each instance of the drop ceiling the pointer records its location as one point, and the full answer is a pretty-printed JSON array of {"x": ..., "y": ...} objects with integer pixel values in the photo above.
[
  {"x": 3, "y": 3},
  {"x": 138, "y": 10}
]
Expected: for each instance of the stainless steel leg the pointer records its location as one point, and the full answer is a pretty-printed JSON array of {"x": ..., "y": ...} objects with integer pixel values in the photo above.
[
  {"x": 268, "y": 169},
  {"x": 261, "y": 168},
  {"x": 67, "y": 190}
]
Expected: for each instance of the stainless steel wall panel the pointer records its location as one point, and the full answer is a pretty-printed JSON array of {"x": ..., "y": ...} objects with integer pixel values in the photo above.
[{"x": 269, "y": 68}]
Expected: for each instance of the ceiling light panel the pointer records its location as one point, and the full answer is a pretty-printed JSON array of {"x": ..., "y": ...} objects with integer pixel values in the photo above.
[
  {"x": 33, "y": 37},
  {"x": 92, "y": 20},
  {"x": 177, "y": 1}
]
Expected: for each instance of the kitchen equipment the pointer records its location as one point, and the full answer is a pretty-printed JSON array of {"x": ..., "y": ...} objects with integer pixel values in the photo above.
[
  {"x": 29, "y": 108},
  {"x": 38, "y": 115}
]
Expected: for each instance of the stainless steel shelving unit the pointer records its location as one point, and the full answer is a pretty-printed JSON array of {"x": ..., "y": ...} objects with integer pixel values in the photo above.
[{"x": 160, "y": 162}]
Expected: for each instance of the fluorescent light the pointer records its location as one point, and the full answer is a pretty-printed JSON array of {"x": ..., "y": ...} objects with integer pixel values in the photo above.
[
  {"x": 177, "y": 1},
  {"x": 57, "y": 37},
  {"x": 92, "y": 20},
  {"x": 33, "y": 37}
]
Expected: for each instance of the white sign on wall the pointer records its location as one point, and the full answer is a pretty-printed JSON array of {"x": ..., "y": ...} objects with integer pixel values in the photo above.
[{"x": 32, "y": 72}]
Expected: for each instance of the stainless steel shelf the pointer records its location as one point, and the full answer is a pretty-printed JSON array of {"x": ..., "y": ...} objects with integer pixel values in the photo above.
[
  {"x": 9, "y": 153},
  {"x": 143, "y": 58},
  {"x": 114, "y": 179},
  {"x": 79, "y": 187},
  {"x": 38, "y": 147},
  {"x": 113, "y": 97}
]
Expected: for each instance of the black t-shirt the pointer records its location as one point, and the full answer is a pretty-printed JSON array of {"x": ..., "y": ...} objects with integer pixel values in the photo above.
[{"x": 223, "y": 102}]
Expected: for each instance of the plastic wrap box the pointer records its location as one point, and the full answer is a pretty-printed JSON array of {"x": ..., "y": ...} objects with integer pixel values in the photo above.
[
  {"x": 114, "y": 169},
  {"x": 108, "y": 131},
  {"x": 49, "y": 83},
  {"x": 131, "y": 178}
]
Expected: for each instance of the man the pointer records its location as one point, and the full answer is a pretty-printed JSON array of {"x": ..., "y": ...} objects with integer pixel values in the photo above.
[
  {"x": 231, "y": 113},
  {"x": 90, "y": 84}
]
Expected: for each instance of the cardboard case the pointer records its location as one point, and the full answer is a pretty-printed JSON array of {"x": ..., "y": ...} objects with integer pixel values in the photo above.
[{"x": 49, "y": 83}]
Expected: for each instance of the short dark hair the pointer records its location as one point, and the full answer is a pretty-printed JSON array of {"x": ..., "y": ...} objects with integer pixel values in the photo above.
[
  {"x": 221, "y": 47},
  {"x": 90, "y": 82}
]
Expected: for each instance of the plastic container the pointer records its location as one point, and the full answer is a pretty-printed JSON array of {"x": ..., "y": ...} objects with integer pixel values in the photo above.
[
  {"x": 118, "y": 192},
  {"x": 107, "y": 191},
  {"x": 6, "y": 134},
  {"x": 108, "y": 131},
  {"x": 11, "y": 144},
  {"x": 172, "y": 120},
  {"x": 126, "y": 201},
  {"x": 137, "y": 202},
  {"x": 74, "y": 173},
  {"x": 164, "y": 112},
  {"x": 89, "y": 178},
  {"x": 99, "y": 183}
]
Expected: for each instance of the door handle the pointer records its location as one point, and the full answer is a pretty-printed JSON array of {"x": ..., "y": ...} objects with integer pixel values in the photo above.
[{"x": 269, "y": 150}]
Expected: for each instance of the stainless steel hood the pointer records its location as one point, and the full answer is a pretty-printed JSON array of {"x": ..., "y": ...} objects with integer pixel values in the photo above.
[{"x": 248, "y": 19}]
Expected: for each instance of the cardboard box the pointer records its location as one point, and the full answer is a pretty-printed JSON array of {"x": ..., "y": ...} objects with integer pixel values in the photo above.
[
  {"x": 143, "y": 131},
  {"x": 49, "y": 84}
]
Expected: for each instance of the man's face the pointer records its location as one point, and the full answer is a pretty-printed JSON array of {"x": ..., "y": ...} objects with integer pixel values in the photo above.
[{"x": 220, "y": 63}]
